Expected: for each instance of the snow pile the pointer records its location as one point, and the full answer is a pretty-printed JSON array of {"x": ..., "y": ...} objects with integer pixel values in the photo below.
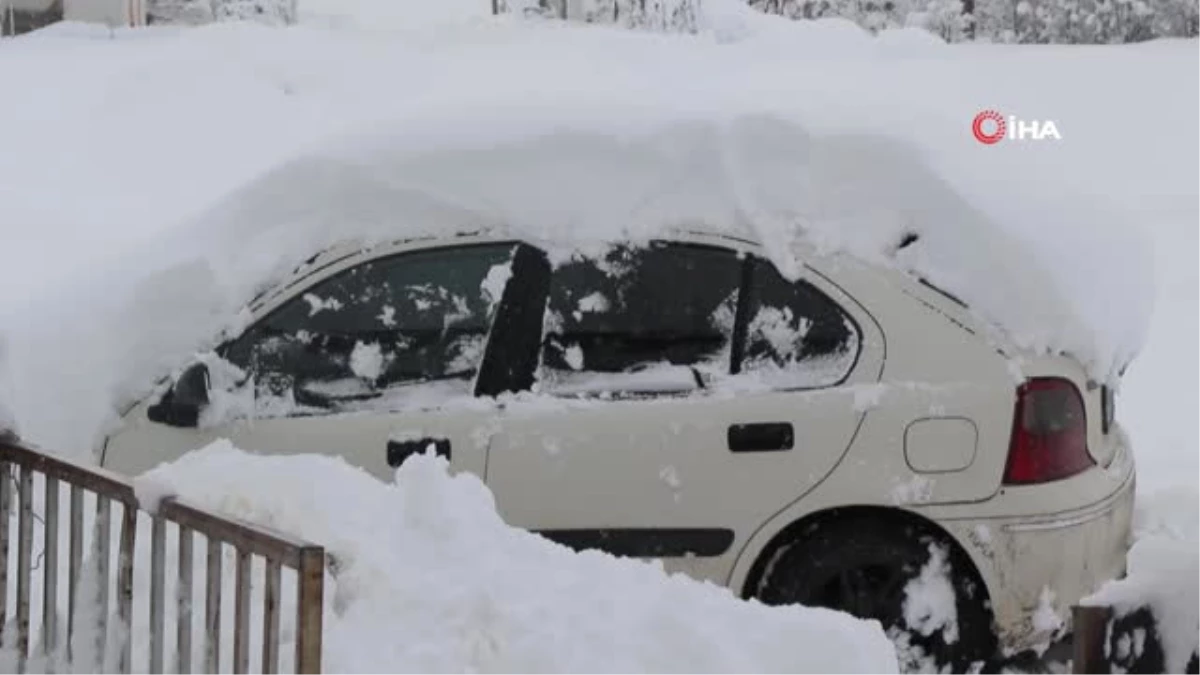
[
  {"x": 428, "y": 578},
  {"x": 1163, "y": 576},
  {"x": 1163, "y": 573}
]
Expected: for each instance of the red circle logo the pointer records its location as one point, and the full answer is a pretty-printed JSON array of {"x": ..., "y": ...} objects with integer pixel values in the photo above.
[{"x": 984, "y": 120}]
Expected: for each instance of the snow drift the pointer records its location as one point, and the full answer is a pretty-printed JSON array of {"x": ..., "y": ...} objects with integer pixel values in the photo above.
[
  {"x": 429, "y": 579},
  {"x": 1164, "y": 572}
]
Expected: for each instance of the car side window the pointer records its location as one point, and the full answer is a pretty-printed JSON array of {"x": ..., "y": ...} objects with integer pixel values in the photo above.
[
  {"x": 639, "y": 320},
  {"x": 378, "y": 328},
  {"x": 796, "y": 335}
]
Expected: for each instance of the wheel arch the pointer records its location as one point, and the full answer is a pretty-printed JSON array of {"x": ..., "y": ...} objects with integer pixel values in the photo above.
[{"x": 796, "y": 531}]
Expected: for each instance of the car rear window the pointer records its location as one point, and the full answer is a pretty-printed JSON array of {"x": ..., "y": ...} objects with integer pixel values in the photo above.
[{"x": 796, "y": 335}]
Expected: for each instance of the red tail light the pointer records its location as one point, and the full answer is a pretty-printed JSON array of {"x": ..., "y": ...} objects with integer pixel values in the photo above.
[{"x": 1049, "y": 438}]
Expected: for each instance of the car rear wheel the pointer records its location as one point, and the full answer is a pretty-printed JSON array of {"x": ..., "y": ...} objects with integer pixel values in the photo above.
[{"x": 869, "y": 567}]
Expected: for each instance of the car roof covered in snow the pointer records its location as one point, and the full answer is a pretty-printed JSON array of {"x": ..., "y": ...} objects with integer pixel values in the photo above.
[
  {"x": 759, "y": 178},
  {"x": 787, "y": 137}
]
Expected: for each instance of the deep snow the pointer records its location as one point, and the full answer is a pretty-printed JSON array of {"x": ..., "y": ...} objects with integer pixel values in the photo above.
[
  {"x": 446, "y": 586},
  {"x": 127, "y": 140},
  {"x": 758, "y": 120}
]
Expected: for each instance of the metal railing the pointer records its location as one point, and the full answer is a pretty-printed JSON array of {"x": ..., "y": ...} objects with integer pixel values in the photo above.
[{"x": 18, "y": 466}]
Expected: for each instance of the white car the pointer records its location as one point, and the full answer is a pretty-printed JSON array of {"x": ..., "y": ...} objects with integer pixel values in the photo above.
[{"x": 817, "y": 438}]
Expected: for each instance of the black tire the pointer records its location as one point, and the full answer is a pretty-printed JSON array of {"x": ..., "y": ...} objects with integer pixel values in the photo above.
[{"x": 861, "y": 565}]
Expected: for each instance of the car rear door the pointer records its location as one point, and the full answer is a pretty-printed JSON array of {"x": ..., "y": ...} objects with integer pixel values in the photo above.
[{"x": 685, "y": 397}]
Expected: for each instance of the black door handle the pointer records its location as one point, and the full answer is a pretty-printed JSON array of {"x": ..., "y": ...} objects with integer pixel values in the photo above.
[
  {"x": 761, "y": 437},
  {"x": 398, "y": 451}
]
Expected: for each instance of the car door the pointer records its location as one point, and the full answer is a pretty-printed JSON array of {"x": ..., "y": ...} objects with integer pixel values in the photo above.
[
  {"x": 688, "y": 394},
  {"x": 372, "y": 364}
]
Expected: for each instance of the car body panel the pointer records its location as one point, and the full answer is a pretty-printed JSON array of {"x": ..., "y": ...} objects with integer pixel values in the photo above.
[{"x": 924, "y": 360}]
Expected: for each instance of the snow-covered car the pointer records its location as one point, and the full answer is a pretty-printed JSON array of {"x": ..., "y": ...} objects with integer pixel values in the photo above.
[{"x": 842, "y": 434}]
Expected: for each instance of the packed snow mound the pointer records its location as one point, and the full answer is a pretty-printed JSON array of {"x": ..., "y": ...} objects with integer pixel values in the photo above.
[
  {"x": 430, "y": 579},
  {"x": 1163, "y": 576},
  {"x": 1163, "y": 572}
]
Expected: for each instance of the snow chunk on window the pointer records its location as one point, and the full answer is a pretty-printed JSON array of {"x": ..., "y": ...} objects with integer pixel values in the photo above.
[
  {"x": 595, "y": 302},
  {"x": 317, "y": 304},
  {"x": 573, "y": 355},
  {"x": 366, "y": 360},
  {"x": 466, "y": 353},
  {"x": 929, "y": 600},
  {"x": 494, "y": 283},
  {"x": 774, "y": 324},
  {"x": 387, "y": 316},
  {"x": 461, "y": 311}
]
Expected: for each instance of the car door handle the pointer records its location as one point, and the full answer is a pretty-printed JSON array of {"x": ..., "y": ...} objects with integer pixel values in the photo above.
[
  {"x": 761, "y": 437},
  {"x": 398, "y": 451}
]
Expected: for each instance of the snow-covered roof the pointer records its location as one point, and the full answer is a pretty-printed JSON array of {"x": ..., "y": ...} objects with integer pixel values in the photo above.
[
  {"x": 562, "y": 132},
  {"x": 609, "y": 172}
]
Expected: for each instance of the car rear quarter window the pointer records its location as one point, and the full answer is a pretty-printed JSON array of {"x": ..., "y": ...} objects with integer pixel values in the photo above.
[
  {"x": 384, "y": 325},
  {"x": 796, "y": 335},
  {"x": 639, "y": 320}
]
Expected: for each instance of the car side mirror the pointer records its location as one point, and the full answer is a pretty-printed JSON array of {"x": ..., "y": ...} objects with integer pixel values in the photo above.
[{"x": 181, "y": 405}]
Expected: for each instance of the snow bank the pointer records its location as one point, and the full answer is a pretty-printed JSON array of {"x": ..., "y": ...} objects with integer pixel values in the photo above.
[
  {"x": 430, "y": 579},
  {"x": 1163, "y": 572},
  {"x": 1163, "y": 576}
]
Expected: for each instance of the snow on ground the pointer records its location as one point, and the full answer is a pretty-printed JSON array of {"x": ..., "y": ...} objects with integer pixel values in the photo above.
[
  {"x": 426, "y": 577},
  {"x": 502, "y": 599},
  {"x": 1164, "y": 574}
]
